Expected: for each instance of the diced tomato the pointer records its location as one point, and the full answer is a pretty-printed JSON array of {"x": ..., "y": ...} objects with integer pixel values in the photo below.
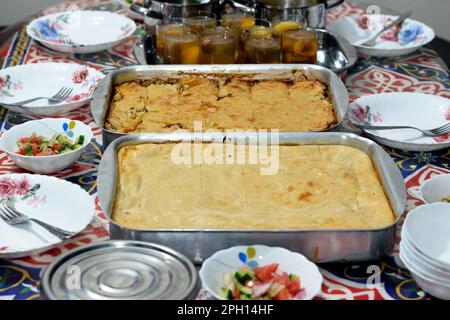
[
  {"x": 283, "y": 295},
  {"x": 21, "y": 152},
  {"x": 266, "y": 273},
  {"x": 281, "y": 279},
  {"x": 24, "y": 140},
  {"x": 56, "y": 146},
  {"x": 236, "y": 294},
  {"x": 34, "y": 147},
  {"x": 34, "y": 138},
  {"x": 293, "y": 286}
]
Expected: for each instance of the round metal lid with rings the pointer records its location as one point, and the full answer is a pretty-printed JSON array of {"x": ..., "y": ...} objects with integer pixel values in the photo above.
[{"x": 121, "y": 270}]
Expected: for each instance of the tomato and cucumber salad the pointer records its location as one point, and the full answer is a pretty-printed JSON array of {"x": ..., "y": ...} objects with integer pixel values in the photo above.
[
  {"x": 35, "y": 145},
  {"x": 265, "y": 282}
]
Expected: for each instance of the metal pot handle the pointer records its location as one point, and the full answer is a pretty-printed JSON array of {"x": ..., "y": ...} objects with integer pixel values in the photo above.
[
  {"x": 139, "y": 9},
  {"x": 244, "y": 5},
  {"x": 331, "y": 4}
]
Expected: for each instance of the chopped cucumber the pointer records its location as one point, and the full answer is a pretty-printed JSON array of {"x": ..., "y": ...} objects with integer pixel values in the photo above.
[
  {"x": 243, "y": 275},
  {"x": 228, "y": 279},
  {"x": 62, "y": 139},
  {"x": 294, "y": 277},
  {"x": 275, "y": 289},
  {"x": 80, "y": 140},
  {"x": 226, "y": 294},
  {"x": 245, "y": 290},
  {"x": 28, "y": 150}
]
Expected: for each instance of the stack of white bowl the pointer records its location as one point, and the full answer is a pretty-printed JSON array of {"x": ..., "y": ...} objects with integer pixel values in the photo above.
[{"x": 425, "y": 248}]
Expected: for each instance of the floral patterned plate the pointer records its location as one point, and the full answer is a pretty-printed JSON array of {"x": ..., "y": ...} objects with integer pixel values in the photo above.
[
  {"x": 408, "y": 37},
  {"x": 52, "y": 200},
  {"x": 418, "y": 110},
  {"x": 81, "y": 31},
  {"x": 28, "y": 81}
]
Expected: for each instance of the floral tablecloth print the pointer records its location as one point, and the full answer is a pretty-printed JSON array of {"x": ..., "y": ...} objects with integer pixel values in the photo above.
[{"x": 421, "y": 71}]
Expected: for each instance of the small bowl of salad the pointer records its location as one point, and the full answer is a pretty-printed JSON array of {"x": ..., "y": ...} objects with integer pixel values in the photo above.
[
  {"x": 259, "y": 272},
  {"x": 47, "y": 145},
  {"x": 436, "y": 189}
]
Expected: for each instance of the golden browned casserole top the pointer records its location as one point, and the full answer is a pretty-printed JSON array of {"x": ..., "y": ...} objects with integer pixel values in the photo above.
[
  {"x": 316, "y": 187},
  {"x": 165, "y": 106}
]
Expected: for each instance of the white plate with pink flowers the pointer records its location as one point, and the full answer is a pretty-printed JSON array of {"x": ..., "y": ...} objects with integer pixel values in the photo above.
[
  {"x": 397, "y": 41},
  {"x": 29, "y": 81},
  {"x": 55, "y": 201},
  {"x": 424, "y": 111},
  {"x": 81, "y": 31}
]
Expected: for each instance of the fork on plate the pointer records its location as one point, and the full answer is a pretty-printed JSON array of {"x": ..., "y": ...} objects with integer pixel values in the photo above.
[
  {"x": 60, "y": 96},
  {"x": 444, "y": 129},
  {"x": 13, "y": 217}
]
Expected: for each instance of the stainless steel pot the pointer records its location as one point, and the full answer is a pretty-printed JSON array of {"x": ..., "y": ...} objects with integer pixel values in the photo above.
[
  {"x": 311, "y": 11},
  {"x": 156, "y": 12}
]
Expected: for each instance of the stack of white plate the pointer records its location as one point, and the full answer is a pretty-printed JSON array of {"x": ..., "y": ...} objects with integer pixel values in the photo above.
[{"x": 425, "y": 248}]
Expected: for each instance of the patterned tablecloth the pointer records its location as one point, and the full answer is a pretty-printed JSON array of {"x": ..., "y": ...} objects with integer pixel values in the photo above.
[{"x": 421, "y": 71}]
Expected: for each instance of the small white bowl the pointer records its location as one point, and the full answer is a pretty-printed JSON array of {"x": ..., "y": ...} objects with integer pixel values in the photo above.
[
  {"x": 436, "y": 188},
  {"x": 435, "y": 288},
  {"x": 416, "y": 260},
  {"x": 230, "y": 260},
  {"x": 431, "y": 264},
  {"x": 428, "y": 229},
  {"x": 45, "y": 127}
]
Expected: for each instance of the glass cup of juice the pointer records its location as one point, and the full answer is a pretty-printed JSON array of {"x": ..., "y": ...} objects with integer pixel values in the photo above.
[
  {"x": 218, "y": 46},
  {"x": 262, "y": 50},
  {"x": 238, "y": 21},
  {"x": 299, "y": 46},
  {"x": 182, "y": 47},
  {"x": 199, "y": 21},
  {"x": 173, "y": 27}
]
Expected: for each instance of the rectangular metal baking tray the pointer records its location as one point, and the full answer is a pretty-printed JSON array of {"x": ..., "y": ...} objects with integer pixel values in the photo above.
[
  {"x": 329, "y": 245},
  {"x": 105, "y": 91}
]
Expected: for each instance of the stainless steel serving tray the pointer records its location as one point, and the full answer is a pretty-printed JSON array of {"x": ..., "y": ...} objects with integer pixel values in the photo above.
[
  {"x": 334, "y": 52},
  {"x": 104, "y": 92},
  {"x": 319, "y": 245}
]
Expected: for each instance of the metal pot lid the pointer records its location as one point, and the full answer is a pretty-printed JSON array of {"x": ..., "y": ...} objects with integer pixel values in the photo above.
[
  {"x": 290, "y": 3},
  {"x": 121, "y": 270}
]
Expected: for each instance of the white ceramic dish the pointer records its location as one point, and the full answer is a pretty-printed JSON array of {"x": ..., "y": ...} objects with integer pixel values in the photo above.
[
  {"x": 430, "y": 262},
  {"x": 230, "y": 260},
  {"x": 81, "y": 31},
  {"x": 433, "y": 287},
  {"x": 416, "y": 260},
  {"x": 428, "y": 229},
  {"x": 52, "y": 200},
  {"x": 28, "y": 81},
  {"x": 47, "y": 128},
  {"x": 436, "y": 188},
  {"x": 419, "y": 110},
  {"x": 392, "y": 43}
]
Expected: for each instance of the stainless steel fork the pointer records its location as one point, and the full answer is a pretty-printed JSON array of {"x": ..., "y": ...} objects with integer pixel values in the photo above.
[
  {"x": 60, "y": 96},
  {"x": 430, "y": 133},
  {"x": 13, "y": 217}
]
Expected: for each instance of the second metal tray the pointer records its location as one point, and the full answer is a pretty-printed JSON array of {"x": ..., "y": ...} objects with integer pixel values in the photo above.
[{"x": 327, "y": 245}]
